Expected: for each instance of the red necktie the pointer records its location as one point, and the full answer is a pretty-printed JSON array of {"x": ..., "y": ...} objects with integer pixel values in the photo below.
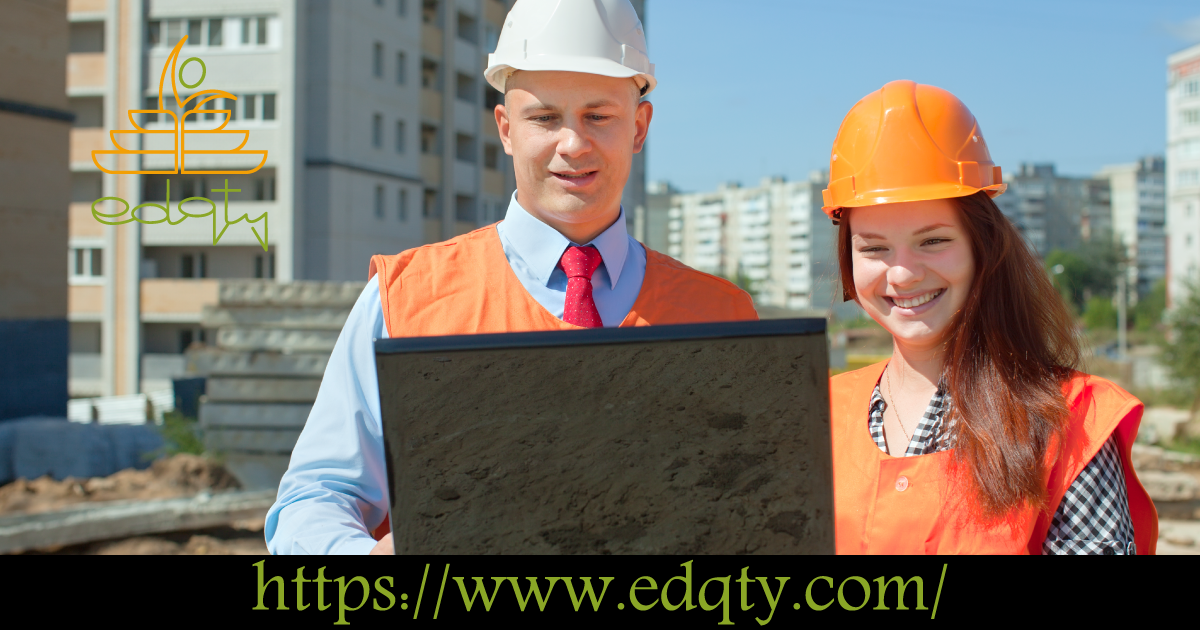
[{"x": 580, "y": 263}]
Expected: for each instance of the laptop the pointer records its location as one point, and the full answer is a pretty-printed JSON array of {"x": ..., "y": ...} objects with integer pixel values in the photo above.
[{"x": 683, "y": 439}]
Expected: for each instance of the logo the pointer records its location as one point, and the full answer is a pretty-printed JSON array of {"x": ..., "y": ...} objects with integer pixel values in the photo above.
[{"x": 173, "y": 141}]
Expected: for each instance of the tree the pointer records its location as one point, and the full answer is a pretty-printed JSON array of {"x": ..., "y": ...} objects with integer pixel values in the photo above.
[
  {"x": 1091, "y": 270},
  {"x": 1181, "y": 354},
  {"x": 1100, "y": 313},
  {"x": 1149, "y": 310}
]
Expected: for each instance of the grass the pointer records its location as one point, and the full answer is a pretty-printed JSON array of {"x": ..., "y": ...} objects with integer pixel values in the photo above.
[
  {"x": 1190, "y": 446},
  {"x": 182, "y": 434}
]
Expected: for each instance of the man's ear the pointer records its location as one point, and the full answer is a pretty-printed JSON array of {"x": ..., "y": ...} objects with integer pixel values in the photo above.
[
  {"x": 645, "y": 111},
  {"x": 502, "y": 125}
]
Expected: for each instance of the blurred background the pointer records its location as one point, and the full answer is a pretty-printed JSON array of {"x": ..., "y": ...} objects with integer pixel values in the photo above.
[{"x": 144, "y": 364}]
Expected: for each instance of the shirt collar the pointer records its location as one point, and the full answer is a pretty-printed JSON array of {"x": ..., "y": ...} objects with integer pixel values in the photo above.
[{"x": 541, "y": 246}]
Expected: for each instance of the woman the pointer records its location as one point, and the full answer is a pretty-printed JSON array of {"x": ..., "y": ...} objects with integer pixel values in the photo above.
[{"x": 979, "y": 435}]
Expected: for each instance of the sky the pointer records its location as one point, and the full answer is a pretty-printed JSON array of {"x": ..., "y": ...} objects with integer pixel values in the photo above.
[{"x": 756, "y": 88}]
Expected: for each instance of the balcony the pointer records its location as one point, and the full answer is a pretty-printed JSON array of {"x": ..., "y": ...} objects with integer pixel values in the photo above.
[
  {"x": 84, "y": 141},
  {"x": 177, "y": 299},
  {"x": 86, "y": 71},
  {"x": 86, "y": 6},
  {"x": 431, "y": 170},
  {"x": 431, "y": 40},
  {"x": 85, "y": 303},
  {"x": 493, "y": 182},
  {"x": 431, "y": 104},
  {"x": 81, "y": 222}
]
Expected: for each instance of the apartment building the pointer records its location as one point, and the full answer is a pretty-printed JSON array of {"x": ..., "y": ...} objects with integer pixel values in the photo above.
[
  {"x": 379, "y": 135},
  {"x": 1183, "y": 170},
  {"x": 34, "y": 135},
  {"x": 772, "y": 239},
  {"x": 1138, "y": 196},
  {"x": 1053, "y": 211}
]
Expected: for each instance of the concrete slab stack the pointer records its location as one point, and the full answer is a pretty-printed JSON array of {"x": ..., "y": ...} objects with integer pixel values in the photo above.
[{"x": 273, "y": 341}]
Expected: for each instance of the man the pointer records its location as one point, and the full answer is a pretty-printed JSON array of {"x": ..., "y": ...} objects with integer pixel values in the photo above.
[{"x": 561, "y": 259}]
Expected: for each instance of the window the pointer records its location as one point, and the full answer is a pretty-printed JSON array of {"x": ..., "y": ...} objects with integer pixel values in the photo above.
[
  {"x": 468, "y": 29},
  {"x": 246, "y": 25},
  {"x": 210, "y": 105},
  {"x": 401, "y": 67},
  {"x": 465, "y": 87},
  {"x": 1190, "y": 148},
  {"x": 377, "y": 61},
  {"x": 430, "y": 79},
  {"x": 431, "y": 209},
  {"x": 464, "y": 208},
  {"x": 250, "y": 111},
  {"x": 264, "y": 189},
  {"x": 491, "y": 156},
  {"x": 153, "y": 33},
  {"x": 193, "y": 32},
  {"x": 264, "y": 265},
  {"x": 1191, "y": 87},
  {"x": 491, "y": 38},
  {"x": 429, "y": 11},
  {"x": 262, "y": 30},
  {"x": 87, "y": 37},
  {"x": 268, "y": 107},
  {"x": 378, "y": 3},
  {"x": 378, "y": 202},
  {"x": 193, "y": 266},
  {"x": 400, "y": 136},
  {"x": 464, "y": 148},
  {"x": 429, "y": 140},
  {"x": 174, "y": 32},
  {"x": 491, "y": 97},
  {"x": 1190, "y": 177},
  {"x": 231, "y": 105},
  {"x": 1190, "y": 116},
  {"x": 402, "y": 206},
  {"x": 89, "y": 110},
  {"x": 402, "y": 7},
  {"x": 87, "y": 262},
  {"x": 215, "y": 36},
  {"x": 377, "y": 130}
]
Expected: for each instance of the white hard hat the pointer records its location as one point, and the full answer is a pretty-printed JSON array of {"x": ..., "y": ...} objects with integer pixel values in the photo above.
[{"x": 602, "y": 37}]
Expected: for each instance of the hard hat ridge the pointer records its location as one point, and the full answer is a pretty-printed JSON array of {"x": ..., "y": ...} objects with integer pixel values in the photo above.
[
  {"x": 908, "y": 142},
  {"x": 602, "y": 37}
]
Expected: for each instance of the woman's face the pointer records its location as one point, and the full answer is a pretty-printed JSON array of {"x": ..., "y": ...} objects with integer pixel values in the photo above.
[{"x": 913, "y": 266}]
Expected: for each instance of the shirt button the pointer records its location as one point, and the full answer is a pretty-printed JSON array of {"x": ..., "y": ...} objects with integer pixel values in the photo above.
[{"x": 901, "y": 483}]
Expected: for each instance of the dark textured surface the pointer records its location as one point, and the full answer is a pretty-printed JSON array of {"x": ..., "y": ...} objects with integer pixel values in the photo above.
[
  {"x": 717, "y": 446},
  {"x": 33, "y": 368}
]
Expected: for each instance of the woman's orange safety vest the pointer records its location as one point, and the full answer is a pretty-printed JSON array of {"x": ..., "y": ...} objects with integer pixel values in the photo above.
[
  {"x": 465, "y": 286},
  {"x": 905, "y": 505}
]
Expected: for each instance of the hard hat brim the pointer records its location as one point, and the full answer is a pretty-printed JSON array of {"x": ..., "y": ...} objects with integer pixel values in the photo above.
[
  {"x": 913, "y": 193},
  {"x": 498, "y": 74}
]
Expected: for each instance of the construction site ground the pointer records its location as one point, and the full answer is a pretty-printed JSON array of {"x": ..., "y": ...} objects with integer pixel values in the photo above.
[{"x": 1173, "y": 480}]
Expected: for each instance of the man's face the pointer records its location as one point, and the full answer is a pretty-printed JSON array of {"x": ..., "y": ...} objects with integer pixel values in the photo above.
[{"x": 572, "y": 137}]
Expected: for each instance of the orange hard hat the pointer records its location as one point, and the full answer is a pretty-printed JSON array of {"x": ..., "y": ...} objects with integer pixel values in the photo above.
[{"x": 908, "y": 142}]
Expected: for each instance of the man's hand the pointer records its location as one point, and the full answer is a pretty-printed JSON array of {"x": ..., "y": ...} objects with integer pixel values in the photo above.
[{"x": 384, "y": 547}]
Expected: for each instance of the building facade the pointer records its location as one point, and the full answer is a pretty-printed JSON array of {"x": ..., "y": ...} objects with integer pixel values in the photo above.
[
  {"x": 1053, "y": 211},
  {"x": 1138, "y": 196},
  {"x": 1183, "y": 170},
  {"x": 773, "y": 239},
  {"x": 379, "y": 134},
  {"x": 35, "y": 124}
]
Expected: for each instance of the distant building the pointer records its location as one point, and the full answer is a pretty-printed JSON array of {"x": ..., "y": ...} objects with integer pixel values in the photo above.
[
  {"x": 1183, "y": 169},
  {"x": 1053, "y": 211},
  {"x": 380, "y": 137},
  {"x": 1138, "y": 193},
  {"x": 653, "y": 227},
  {"x": 35, "y": 123},
  {"x": 773, "y": 239}
]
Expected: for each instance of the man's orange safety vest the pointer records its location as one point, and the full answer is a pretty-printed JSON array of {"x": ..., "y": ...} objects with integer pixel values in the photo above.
[
  {"x": 908, "y": 505},
  {"x": 465, "y": 286}
]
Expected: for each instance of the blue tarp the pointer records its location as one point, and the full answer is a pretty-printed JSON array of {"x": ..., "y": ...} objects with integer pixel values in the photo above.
[
  {"x": 33, "y": 368},
  {"x": 32, "y": 447}
]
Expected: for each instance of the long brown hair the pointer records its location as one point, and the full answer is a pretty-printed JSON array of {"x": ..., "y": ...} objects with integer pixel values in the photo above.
[{"x": 1013, "y": 347}]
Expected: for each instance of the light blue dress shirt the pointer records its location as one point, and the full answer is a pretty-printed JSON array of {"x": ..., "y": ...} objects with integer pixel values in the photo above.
[{"x": 335, "y": 489}]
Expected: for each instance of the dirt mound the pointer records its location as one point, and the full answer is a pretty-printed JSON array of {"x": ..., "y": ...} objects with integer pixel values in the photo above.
[{"x": 176, "y": 476}]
